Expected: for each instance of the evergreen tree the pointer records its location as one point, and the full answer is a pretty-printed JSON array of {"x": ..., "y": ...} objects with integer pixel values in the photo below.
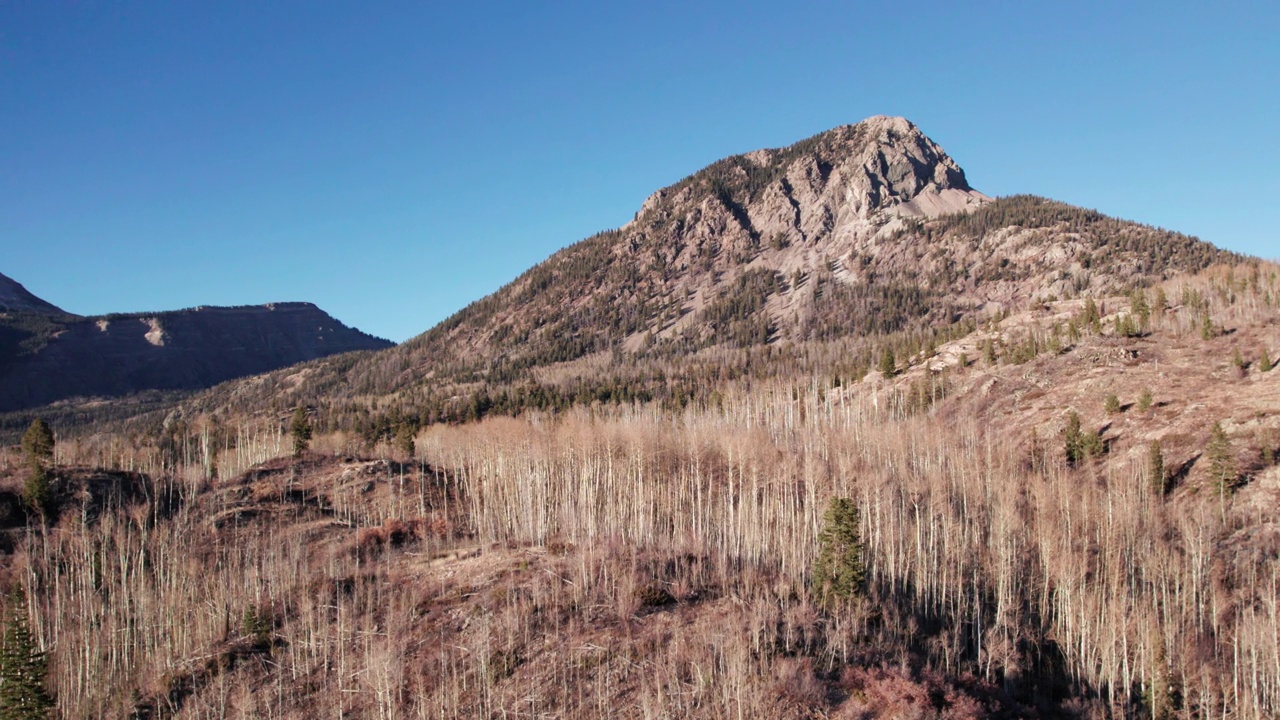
[
  {"x": 1074, "y": 439},
  {"x": 37, "y": 442},
  {"x": 404, "y": 439},
  {"x": 1155, "y": 467},
  {"x": 1112, "y": 404},
  {"x": 1206, "y": 327},
  {"x": 989, "y": 352},
  {"x": 36, "y": 491},
  {"x": 1091, "y": 445},
  {"x": 300, "y": 431},
  {"x": 888, "y": 365},
  {"x": 1162, "y": 300},
  {"x": 839, "y": 572},
  {"x": 1139, "y": 308},
  {"x": 1264, "y": 363},
  {"x": 37, "y": 447},
  {"x": 1222, "y": 462},
  {"x": 22, "y": 668},
  {"x": 1090, "y": 314},
  {"x": 1145, "y": 400}
]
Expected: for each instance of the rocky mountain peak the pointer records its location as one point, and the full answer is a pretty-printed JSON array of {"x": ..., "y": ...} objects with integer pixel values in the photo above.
[
  {"x": 891, "y": 163},
  {"x": 855, "y": 177}
]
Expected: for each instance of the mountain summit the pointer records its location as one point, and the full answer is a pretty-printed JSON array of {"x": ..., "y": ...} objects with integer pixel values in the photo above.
[
  {"x": 852, "y": 177},
  {"x": 866, "y": 228},
  {"x": 853, "y": 235}
]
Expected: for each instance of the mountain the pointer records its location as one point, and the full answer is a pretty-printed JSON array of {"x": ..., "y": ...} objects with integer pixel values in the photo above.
[
  {"x": 16, "y": 298},
  {"x": 1054, "y": 495},
  {"x": 47, "y": 358},
  {"x": 864, "y": 234}
]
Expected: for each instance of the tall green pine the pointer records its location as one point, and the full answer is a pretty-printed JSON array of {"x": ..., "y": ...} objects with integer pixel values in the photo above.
[
  {"x": 839, "y": 573},
  {"x": 1073, "y": 439},
  {"x": 22, "y": 668},
  {"x": 888, "y": 364},
  {"x": 404, "y": 439},
  {"x": 1222, "y": 462},
  {"x": 37, "y": 447},
  {"x": 1155, "y": 468},
  {"x": 300, "y": 430},
  {"x": 37, "y": 442}
]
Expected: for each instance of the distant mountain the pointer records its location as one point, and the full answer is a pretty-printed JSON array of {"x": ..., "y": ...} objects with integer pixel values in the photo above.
[
  {"x": 45, "y": 358},
  {"x": 15, "y": 298},
  {"x": 860, "y": 231}
]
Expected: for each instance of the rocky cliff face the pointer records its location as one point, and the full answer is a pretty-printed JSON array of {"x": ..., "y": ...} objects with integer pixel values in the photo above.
[
  {"x": 183, "y": 350},
  {"x": 846, "y": 181}
]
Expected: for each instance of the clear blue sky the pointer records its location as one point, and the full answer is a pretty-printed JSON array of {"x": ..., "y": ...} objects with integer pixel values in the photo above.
[{"x": 392, "y": 163}]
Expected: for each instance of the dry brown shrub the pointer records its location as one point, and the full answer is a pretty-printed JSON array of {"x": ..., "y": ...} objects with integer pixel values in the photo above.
[{"x": 795, "y": 683}]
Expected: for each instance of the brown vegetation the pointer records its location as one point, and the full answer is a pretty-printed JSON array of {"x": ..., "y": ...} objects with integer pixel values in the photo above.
[{"x": 638, "y": 561}]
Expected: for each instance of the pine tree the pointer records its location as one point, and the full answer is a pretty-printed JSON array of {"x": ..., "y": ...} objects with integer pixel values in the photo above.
[
  {"x": 37, "y": 491},
  {"x": 1222, "y": 461},
  {"x": 1145, "y": 400},
  {"x": 1207, "y": 331},
  {"x": 839, "y": 572},
  {"x": 1112, "y": 404},
  {"x": 1138, "y": 307},
  {"x": 1074, "y": 439},
  {"x": 37, "y": 447},
  {"x": 37, "y": 442},
  {"x": 1155, "y": 467},
  {"x": 300, "y": 431},
  {"x": 989, "y": 352},
  {"x": 1092, "y": 316},
  {"x": 404, "y": 439},
  {"x": 22, "y": 668},
  {"x": 888, "y": 364}
]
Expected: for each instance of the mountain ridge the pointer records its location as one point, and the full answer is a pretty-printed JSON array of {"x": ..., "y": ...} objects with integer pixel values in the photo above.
[{"x": 48, "y": 358}]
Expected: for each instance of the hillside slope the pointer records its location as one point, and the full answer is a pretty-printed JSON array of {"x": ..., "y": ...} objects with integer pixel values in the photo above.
[
  {"x": 628, "y": 562},
  {"x": 46, "y": 358},
  {"x": 16, "y": 298}
]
